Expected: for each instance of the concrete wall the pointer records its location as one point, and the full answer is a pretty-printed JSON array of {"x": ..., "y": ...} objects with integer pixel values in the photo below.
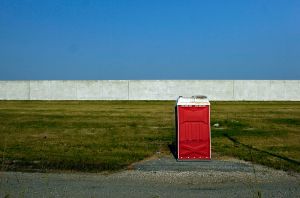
[{"x": 259, "y": 90}]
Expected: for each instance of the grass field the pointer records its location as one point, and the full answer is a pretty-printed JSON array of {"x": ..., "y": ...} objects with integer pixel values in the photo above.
[{"x": 110, "y": 135}]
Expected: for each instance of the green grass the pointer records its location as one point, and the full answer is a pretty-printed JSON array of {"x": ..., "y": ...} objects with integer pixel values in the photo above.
[
  {"x": 110, "y": 135},
  {"x": 267, "y": 133}
]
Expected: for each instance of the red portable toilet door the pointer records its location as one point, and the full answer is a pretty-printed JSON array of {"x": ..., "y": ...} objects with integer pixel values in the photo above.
[{"x": 194, "y": 133}]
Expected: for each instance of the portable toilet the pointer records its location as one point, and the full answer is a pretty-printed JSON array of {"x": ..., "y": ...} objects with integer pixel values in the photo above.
[{"x": 193, "y": 128}]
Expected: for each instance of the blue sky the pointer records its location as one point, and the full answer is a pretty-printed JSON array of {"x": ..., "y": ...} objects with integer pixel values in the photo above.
[{"x": 154, "y": 39}]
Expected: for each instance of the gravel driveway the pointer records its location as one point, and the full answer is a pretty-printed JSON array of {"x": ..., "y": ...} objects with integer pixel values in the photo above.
[{"x": 159, "y": 177}]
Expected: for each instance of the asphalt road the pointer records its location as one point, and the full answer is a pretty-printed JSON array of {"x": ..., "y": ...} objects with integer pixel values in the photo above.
[{"x": 160, "y": 177}]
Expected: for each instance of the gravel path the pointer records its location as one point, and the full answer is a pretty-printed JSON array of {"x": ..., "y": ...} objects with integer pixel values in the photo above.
[{"x": 160, "y": 177}]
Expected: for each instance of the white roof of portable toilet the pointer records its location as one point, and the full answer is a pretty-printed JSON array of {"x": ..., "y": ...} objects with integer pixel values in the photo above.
[{"x": 193, "y": 100}]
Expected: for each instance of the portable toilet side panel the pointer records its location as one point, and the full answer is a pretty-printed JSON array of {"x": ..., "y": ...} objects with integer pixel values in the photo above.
[{"x": 193, "y": 130}]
